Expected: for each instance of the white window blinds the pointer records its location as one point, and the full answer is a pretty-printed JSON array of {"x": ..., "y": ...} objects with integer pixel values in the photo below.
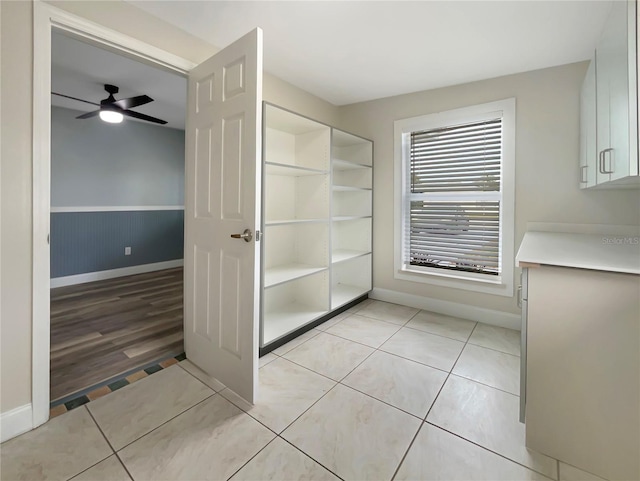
[{"x": 453, "y": 200}]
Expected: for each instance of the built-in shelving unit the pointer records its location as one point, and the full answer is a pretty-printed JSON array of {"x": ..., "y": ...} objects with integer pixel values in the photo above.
[
  {"x": 351, "y": 211},
  {"x": 317, "y": 213}
]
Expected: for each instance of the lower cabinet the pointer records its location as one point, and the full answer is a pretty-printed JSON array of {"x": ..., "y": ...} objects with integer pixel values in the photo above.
[
  {"x": 317, "y": 221},
  {"x": 582, "y": 368}
]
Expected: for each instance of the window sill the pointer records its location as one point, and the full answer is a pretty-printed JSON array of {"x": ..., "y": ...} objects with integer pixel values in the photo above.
[{"x": 498, "y": 286}]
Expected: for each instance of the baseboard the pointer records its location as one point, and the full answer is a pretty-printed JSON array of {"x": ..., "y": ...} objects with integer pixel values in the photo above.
[
  {"x": 112, "y": 273},
  {"x": 455, "y": 309},
  {"x": 115, "y": 208},
  {"x": 15, "y": 422}
]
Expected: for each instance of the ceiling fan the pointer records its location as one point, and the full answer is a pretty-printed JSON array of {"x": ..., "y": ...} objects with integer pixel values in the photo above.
[{"x": 112, "y": 110}]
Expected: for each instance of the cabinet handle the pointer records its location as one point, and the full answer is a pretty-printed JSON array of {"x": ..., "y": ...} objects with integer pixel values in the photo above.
[
  {"x": 583, "y": 177},
  {"x": 601, "y": 155},
  {"x": 604, "y": 153},
  {"x": 519, "y": 296}
]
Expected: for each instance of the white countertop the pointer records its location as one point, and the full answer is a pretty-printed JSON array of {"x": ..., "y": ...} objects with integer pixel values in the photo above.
[{"x": 602, "y": 252}]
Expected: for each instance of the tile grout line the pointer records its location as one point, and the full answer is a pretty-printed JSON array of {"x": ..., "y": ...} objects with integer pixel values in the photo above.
[
  {"x": 307, "y": 455},
  {"x": 379, "y": 350},
  {"x": 431, "y": 407},
  {"x": 124, "y": 466},
  {"x": 453, "y": 366},
  {"x": 404, "y": 456},
  {"x": 483, "y": 384},
  {"x": 101, "y": 431},
  {"x": 490, "y": 450},
  {"x": 288, "y": 425},
  {"x": 472, "y": 380},
  {"x": 165, "y": 422},
  {"x": 113, "y": 452},
  {"x": 200, "y": 380},
  {"x": 252, "y": 457}
]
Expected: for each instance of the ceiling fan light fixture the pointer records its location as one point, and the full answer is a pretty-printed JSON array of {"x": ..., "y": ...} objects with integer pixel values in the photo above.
[{"x": 111, "y": 117}]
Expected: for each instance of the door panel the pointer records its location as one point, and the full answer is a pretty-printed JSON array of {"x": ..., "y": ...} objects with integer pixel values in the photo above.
[{"x": 222, "y": 198}]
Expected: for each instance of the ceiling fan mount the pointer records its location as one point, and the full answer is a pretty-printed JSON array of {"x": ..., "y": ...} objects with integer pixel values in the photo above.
[
  {"x": 122, "y": 106},
  {"x": 111, "y": 90}
]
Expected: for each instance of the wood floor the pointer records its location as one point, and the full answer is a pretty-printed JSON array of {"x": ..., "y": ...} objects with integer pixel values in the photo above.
[{"x": 105, "y": 328}]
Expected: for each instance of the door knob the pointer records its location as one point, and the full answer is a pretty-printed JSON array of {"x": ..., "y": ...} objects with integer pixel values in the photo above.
[{"x": 246, "y": 235}]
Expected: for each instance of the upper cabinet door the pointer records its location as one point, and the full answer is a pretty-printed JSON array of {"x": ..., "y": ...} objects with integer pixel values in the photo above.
[
  {"x": 222, "y": 214},
  {"x": 615, "y": 71},
  {"x": 588, "y": 147}
]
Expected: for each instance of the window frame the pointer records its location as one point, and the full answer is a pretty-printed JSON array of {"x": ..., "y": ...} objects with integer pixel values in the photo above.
[{"x": 501, "y": 285}]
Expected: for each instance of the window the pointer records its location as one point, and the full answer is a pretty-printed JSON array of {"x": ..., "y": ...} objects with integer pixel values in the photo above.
[{"x": 455, "y": 198}]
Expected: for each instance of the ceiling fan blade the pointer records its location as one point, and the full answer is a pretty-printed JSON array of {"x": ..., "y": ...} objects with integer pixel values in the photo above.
[
  {"x": 75, "y": 98},
  {"x": 133, "y": 102},
  {"x": 138, "y": 115},
  {"x": 88, "y": 115}
]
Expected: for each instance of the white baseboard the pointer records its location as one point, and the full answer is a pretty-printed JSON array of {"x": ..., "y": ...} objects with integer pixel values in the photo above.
[
  {"x": 15, "y": 422},
  {"x": 116, "y": 208},
  {"x": 455, "y": 309},
  {"x": 110, "y": 274}
]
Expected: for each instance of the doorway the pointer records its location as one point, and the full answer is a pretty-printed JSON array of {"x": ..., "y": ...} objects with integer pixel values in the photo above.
[
  {"x": 117, "y": 218},
  {"x": 223, "y": 156},
  {"x": 47, "y": 21}
]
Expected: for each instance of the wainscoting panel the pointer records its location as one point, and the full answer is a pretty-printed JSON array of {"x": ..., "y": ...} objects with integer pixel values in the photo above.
[{"x": 84, "y": 242}]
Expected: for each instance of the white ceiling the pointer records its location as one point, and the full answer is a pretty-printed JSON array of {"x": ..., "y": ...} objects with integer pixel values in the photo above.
[
  {"x": 81, "y": 70},
  {"x": 352, "y": 51},
  {"x": 345, "y": 51}
]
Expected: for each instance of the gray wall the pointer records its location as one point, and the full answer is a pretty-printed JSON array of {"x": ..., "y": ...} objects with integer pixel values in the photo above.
[
  {"x": 98, "y": 164},
  {"x": 95, "y": 164},
  {"x": 84, "y": 242}
]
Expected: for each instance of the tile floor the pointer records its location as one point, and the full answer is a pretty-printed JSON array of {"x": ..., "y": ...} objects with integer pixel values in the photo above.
[{"x": 381, "y": 392}]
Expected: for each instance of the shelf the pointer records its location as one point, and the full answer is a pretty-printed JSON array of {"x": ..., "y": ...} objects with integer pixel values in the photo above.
[
  {"x": 340, "y": 255},
  {"x": 293, "y": 221},
  {"x": 340, "y": 218},
  {"x": 281, "y": 274},
  {"x": 340, "y": 164},
  {"x": 343, "y": 293},
  {"x": 348, "y": 188},
  {"x": 276, "y": 168},
  {"x": 288, "y": 318}
]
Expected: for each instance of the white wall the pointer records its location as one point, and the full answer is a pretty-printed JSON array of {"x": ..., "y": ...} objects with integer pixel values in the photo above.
[
  {"x": 15, "y": 218},
  {"x": 547, "y": 130}
]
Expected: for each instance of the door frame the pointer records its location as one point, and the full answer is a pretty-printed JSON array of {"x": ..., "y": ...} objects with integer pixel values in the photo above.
[{"x": 46, "y": 18}]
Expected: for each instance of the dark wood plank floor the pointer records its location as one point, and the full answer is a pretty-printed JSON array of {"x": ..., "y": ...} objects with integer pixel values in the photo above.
[{"x": 105, "y": 328}]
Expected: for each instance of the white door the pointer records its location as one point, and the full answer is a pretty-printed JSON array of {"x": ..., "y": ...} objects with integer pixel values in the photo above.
[{"x": 222, "y": 198}]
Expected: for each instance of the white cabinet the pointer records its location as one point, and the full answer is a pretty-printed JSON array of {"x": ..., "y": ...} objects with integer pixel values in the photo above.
[
  {"x": 588, "y": 128},
  {"x": 580, "y": 371},
  {"x": 317, "y": 212},
  {"x": 583, "y": 369},
  {"x": 609, "y": 105}
]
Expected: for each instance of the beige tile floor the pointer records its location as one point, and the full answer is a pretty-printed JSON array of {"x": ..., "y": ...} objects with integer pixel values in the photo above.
[{"x": 381, "y": 392}]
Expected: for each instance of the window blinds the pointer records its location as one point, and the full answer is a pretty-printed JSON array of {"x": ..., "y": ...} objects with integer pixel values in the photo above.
[{"x": 453, "y": 207}]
